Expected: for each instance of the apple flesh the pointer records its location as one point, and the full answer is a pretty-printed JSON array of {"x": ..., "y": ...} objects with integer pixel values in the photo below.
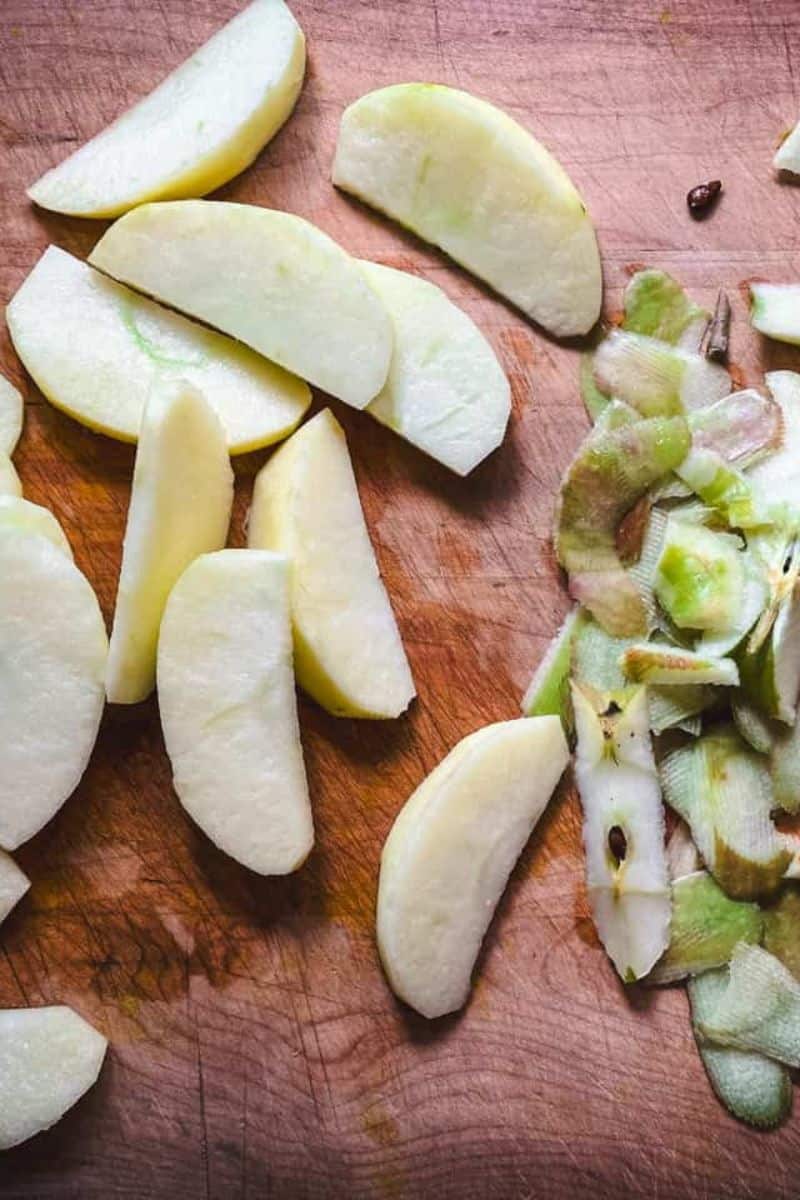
[
  {"x": 465, "y": 176},
  {"x": 450, "y": 852},
  {"x": 53, "y": 649},
  {"x": 348, "y": 651},
  {"x": 228, "y": 709},
  {"x": 202, "y": 125},
  {"x": 49, "y": 1058},
  {"x": 33, "y": 518},
  {"x": 180, "y": 508},
  {"x": 97, "y": 350},
  {"x": 11, "y": 409},
  {"x": 13, "y": 884},
  {"x": 9, "y": 479},
  {"x": 267, "y": 278},
  {"x": 446, "y": 392}
]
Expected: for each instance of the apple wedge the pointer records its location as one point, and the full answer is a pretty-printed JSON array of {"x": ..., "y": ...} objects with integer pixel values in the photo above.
[
  {"x": 347, "y": 647},
  {"x": 96, "y": 350},
  {"x": 11, "y": 408},
  {"x": 775, "y": 310},
  {"x": 267, "y": 278},
  {"x": 446, "y": 392},
  {"x": 49, "y": 1057},
  {"x": 450, "y": 852},
  {"x": 33, "y": 518},
  {"x": 53, "y": 649},
  {"x": 202, "y": 125},
  {"x": 9, "y": 479},
  {"x": 465, "y": 176},
  {"x": 13, "y": 884},
  {"x": 228, "y": 708},
  {"x": 180, "y": 508}
]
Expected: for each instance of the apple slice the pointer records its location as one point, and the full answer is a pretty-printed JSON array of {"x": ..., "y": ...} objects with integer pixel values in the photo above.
[
  {"x": 53, "y": 649},
  {"x": 623, "y": 831},
  {"x": 446, "y": 392},
  {"x": 96, "y": 350},
  {"x": 11, "y": 409},
  {"x": 269, "y": 279},
  {"x": 49, "y": 1057},
  {"x": 348, "y": 652},
  {"x": 450, "y": 852},
  {"x": 13, "y": 884},
  {"x": 22, "y": 514},
  {"x": 228, "y": 708},
  {"x": 9, "y": 479},
  {"x": 202, "y": 125},
  {"x": 465, "y": 176},
  {"x": 180, "y": 508},
  {"x": 775, "y": 310}
]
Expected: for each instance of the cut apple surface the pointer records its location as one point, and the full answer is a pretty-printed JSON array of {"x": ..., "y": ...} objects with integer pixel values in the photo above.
[
  {"x": 180, "y": 508},
  {"x": 446, "y": 392},
  {"x": 96, "y": 350},
  {"x": 465, "y": 176},
  {"x": 348, "y": 652},
  {"x": 33, "y": 518},
  {"x": 623, "y": 831},
  {"x": 52, "y": 659},
  {"x": 449, "y": 854},
  {"x": 49, "y": 1057},
  {"x": 9, "y": 479},
  {"x": 227, "y": 700},
  {"x": 11, "y": 409},
  {"x": 204, "y": 124},
  {"x": 13, "y": 884},
  {"x": 267, "y": 278}
]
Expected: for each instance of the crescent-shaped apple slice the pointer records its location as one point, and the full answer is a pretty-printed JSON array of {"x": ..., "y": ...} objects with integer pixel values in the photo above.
[
  {"x": 13, "y": 884},
  {"x": 201, "y": 126},
  {"x": 11, "y": 409},
  {"x": 53, "y": 649},
  {"x": 450, "y": 852},
  {"x": 465, "y": 176},
  {"x": 268, "y": 278},
  {"x": 49, "y": 1057},
  {"x": 227, "y": 700}
]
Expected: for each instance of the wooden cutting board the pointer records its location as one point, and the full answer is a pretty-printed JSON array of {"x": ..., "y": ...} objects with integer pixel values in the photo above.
[{"x": 256, "y": 1050}]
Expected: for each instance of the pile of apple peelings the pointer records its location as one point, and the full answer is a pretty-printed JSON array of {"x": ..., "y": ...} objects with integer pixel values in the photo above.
[
  {"x": 677, "y": 674},
  {"x": 224, "y": 634}
]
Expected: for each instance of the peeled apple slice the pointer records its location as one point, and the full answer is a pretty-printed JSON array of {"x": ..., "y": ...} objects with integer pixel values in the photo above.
[
  {"x": 347, "y": 647},
  {"x": 752, "y": 1087},
  {"x": 450, "y": 852},
  {"x": 721, "y": 788},
  {"x": 446, "y": 392},
  {"x": 33, "y": 518},
  {"x": 462, "y": 174},
  {"x": 775, "y": 310},
  {"x": 616, "y": 464},
  {"x": 11, "y": 409},
  {"x": 227, "y": 701},
  {"x": 13, "y": 884},
  {"x": 623, "y": 832},
  {"x": 657, "y": 379},
  {"x": 96, "y": 350},
  {"x": 268, "y": 278},
  {"x": 787, "y": 156},
  {"x": 706, "y": 927},
  {"x": 9, "y": 479},
  {"x": 53, "y": 650},
  {"x": 760, "y": 1008},
  {"x": 204, "y": 124},
  {"x": 49, "y": 1057},
  {"x": 180, "y": 508}
]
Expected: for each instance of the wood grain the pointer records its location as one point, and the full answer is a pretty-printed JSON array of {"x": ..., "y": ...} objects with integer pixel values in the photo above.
[{"x": 256, "y": 1050}]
